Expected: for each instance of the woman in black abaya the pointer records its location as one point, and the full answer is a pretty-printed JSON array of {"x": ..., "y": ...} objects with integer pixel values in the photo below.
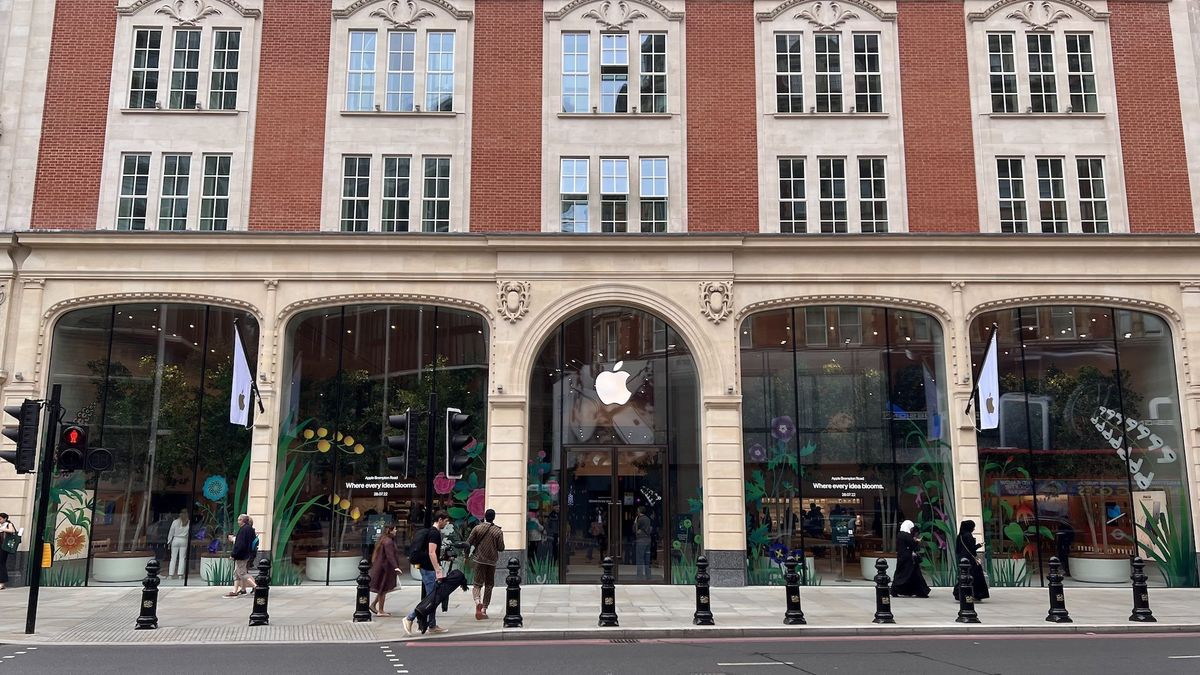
[
  {"x": 965, "y": 546},
  {"x": 909, "y": 580}
]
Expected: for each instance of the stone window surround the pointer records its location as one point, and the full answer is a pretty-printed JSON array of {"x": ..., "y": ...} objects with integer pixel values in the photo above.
[
  {"x": 633, "y": 196},
  {"x": 1029, "y": 173},
  {"x": 154, "y": 185}
]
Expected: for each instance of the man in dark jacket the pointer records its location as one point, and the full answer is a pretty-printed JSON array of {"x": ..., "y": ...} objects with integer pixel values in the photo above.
[
  {"x": 243, "y": 551},
  {"x": 488, "y": 540}
]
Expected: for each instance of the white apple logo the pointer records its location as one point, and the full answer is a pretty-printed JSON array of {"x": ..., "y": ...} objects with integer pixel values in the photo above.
[{"x": 611, "y": 387}]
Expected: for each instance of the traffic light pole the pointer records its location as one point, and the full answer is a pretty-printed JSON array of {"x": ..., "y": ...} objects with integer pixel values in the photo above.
[
  {"x": 430, "y": 447},
  {"x": 45, "y": 475}
]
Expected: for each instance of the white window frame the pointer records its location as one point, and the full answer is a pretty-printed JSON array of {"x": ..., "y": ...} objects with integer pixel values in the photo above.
[
  {"x": 435, "y": 203},
  {"x": 224, "y": 80},
  {"x": 436, "y": 77},
  {"x": 1082, "y": 94},
  {"x": 574, "y": 187},
  {"x": 355, "y": 194},
  {"x": 1018, "y": 203},
  {"x": 174, "y": 190},
  {"x": 580, "y": 102},
  {"x": 200, "y": 79},
  {"x": 1089, "y": 202},
  {"x": 868, "y": 80},
  {"x": 828, "y": 184},
  {"x": 791, "y": 100},
  {"x": 657, "y": 197},
  {"x": 829, "y": 92},
  {"x": 1052, "y": 195},
  {"x": 430, "y": 74},
  {"x": 214, "y": 193},
  {"x": 1006, "y": 70},
  {"x": 134, "y": 192},
  {"x": 150, "y": 58},
  {"x": 872, "y": 195},
  {"x": 1058, "y": 197},
  {"x": 645, "y": 83},
  {"x": 614, "y": 63},
  {"x": 614, "y": 194},
  {"x": 648, "y": 89},
  {"x": 396, "y": 193},
  {"x": 1043, "y": 81},
  {"x": 402, "y": 96},
  {"x": 789, "y": 203},
  {"x": 184, "y": 93}
]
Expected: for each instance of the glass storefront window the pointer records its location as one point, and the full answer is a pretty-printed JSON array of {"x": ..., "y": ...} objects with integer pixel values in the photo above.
[
  {"x": 350, "y": 368},
  {"x": 1087, "y": 461},
  {"x": 152, "y": 382},
  {"x": 842, "y": 417},
  {"x": 613, "y": 462}
]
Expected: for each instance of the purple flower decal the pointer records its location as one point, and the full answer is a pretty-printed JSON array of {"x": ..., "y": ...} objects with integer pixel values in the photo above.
[
  {"x": 783, "y": 428},
  {"x": 920, "y": 499},
  {"x": 757, "y": 453},
  {"x": 778, "y": 553},
  {"x": 202, "y": 533},
  {"x": 214, "y": 546}
]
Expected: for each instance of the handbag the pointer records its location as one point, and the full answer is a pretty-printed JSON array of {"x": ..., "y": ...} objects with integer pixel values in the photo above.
[{"x": 11, "y": 541}]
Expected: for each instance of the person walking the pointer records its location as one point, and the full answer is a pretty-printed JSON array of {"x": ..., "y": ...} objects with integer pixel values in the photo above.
[
  {"x": 909, "y": 580},
  {"x": 642, "y": 531},
  {"x": 965, "y": 546},
  {"x": 385, "y": 565},
  {"x": 177, "y": 539},
  {"x": 487, "y": 540},
  {"x": 7, "y": 529},
  {"x": 425, "y": 553},
  {"x": 243, "y": 551}
]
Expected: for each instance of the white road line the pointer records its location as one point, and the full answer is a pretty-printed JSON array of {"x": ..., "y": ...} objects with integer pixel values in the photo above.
[
  {"x": 1194, "y": 656},
  {"x": 18, "y": 652},
  {"x": 758, "y": 663}
]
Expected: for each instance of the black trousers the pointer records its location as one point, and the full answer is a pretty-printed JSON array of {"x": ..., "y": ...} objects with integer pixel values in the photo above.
[{"x": 3, "y": 566}]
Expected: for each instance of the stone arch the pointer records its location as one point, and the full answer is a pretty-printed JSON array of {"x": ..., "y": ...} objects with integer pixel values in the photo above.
[{"x": 710, "y": 370}]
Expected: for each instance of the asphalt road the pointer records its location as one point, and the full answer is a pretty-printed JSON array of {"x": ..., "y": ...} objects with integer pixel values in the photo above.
[{"x": 1126, "y": 653}]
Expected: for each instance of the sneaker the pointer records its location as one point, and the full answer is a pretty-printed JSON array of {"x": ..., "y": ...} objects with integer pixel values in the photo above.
[
  {"x": 437, "y": 629},
  {"x": 408, "y": 624}
]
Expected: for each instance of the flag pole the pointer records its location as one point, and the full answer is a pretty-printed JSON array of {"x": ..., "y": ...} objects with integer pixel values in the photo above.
[
  {"x": 253, "y": 380},
  {"x": 975, "y": 375}
]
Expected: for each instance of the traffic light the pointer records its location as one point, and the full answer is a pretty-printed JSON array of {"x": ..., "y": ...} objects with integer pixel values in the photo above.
[
  {"x": 24, "y": 434},
  {"x": 458, "y": 442},
  {"x": 400, "y": 444},
  {"x": 74, "y": 453},
  {"x": 72, "y": 447}
]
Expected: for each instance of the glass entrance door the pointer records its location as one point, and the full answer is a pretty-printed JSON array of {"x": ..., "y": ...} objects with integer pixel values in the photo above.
[{"x": 615, "y": 507}]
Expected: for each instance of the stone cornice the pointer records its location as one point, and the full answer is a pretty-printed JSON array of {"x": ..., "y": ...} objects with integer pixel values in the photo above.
[
  {"x": 658, "y": 7},
  {"x": 1078, "y": 5},
  {"x": 140, "y": 5},
  {"x": 872, "y": 9}
]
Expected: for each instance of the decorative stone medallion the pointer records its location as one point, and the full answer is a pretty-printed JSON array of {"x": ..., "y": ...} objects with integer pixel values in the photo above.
[
  {"x": 716, "y": 300},
  {"x": 512, "y": 299}
]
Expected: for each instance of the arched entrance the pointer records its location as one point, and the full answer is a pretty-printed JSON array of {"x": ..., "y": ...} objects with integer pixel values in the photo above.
[{"x": 613, "y": 451}]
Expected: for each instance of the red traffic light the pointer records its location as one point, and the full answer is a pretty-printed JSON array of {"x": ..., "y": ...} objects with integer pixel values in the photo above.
[{"x": 74, "y": 436}]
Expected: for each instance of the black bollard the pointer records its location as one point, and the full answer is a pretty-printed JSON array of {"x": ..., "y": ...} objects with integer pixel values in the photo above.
[
  {"x": 1141, "y": 594},
  {"x": 262, "y": 592},
  {"x": 148, "y": 618},
  {"x": 966, "y": 594},
  {"x": 362, "y": 598},
  {"x": 1058, "y": 600},
  {"x": 883, "y": 598},
  {"x": 703, "y": 615},
  {"x": 512, "y": 595},
  {"x": 608, "y": 594},
  {"x": 794, "y": 616}
]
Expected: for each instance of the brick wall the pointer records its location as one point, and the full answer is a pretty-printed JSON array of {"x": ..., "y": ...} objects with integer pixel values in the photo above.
[
  {"x": 722, "y": 131},
  {"x": 289, "y": 134},
  {"x": 1156, "y": 171},
  {"x": 939, "y": 149},
  {"x": 506, "y": 117},
  {"x": 67, "y": 193}
]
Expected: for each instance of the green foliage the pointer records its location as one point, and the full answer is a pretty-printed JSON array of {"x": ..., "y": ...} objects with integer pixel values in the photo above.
[
  {"x": 929, "y": 480},
  {"x": 220, "y": 572},
  {"x": 1008, "y": 572},
  {"x": 1170, "y": 545},
  {"x": 286, "y": 573},
  {"x": 66, "y": 573},
  {"x": 541, "y": 570}
]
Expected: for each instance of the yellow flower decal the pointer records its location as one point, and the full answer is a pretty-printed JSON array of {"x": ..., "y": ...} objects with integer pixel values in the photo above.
[
  {"x": 359, "y": 449},
  {"x": 322, "y": 432},
  {"x": 323, "y": 445},
  {"x": 345, "y": 504},
  {"x": 335, "y": 499},
  {"x": 309, "y": 433},
  {"x": 71, "y": 541},
  {"x": 355, "y": 514},
  {"x": 349, "y": 440},
  {"x": 338, "y": 437}
]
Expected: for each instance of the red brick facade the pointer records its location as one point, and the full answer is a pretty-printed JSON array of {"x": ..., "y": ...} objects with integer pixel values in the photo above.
[
  {"x": 289, "y": 135},
  {"x": 722, "y": 129},
  {"x": 506, "y": 119},
  {"x": 939, "y": 148},
  {"x": 1155, "y": 158},
  {"x": 71, "y": 154}
]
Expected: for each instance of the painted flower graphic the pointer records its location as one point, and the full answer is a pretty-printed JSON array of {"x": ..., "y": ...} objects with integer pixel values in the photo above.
[
  {"x": 71, "y": 541},
  {"x": 757, "y": 453},
  {"x": 477, "y": 503},
  {"x": 443, "y": 485},
  {"x": 202, "y": 533},
  {"x": 215, "y": 488},
  {"x": 778, "y": 553},
  {"x": 783, "y": 428},
  {"x": 214, "y": 546}
]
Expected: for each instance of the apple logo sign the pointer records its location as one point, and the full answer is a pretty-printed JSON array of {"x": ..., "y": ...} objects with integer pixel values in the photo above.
[{"x": 611, "y": 386}]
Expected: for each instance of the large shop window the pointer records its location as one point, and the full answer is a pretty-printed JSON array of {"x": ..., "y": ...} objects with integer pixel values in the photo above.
[
  {"x": 844, "y": 430},
  {"x": 350, "y": 367},
  {"x": 1087, "y": 461},
  {"x": 152, "y": 382},
  {"x": 614, "y": 452}
]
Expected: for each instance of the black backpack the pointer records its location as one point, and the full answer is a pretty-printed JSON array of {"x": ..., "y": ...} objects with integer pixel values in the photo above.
[{"x": 418, "y": 549}]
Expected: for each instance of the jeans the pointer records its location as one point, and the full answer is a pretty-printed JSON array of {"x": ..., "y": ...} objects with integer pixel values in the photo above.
[
  {"x": 429, "y": 583},
  {"x": 641, "y": 556}
]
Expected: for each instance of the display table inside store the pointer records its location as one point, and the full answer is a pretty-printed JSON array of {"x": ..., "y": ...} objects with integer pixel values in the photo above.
[
  {"x": 341, "y": 566},
  {"x": 118, "y": 566}
]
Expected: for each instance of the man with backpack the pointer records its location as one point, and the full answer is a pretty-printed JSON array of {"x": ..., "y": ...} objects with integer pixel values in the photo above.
[
  {"x": 488, "y": 540},
  {"x": 245, "y": 550},
  {"x": 424, "y": 553}
]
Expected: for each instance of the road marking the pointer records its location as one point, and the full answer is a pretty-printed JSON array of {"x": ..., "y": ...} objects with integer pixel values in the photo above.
[
  {"x": 758, "y": 663},
  {"x": 1195, "y": 656}
]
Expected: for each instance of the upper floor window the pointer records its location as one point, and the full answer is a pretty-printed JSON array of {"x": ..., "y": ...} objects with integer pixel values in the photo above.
[
  {"x": 1071, "y": 194},
  {"x": 613, "y": 76},
  {"x": 836, "y": 209},
  {"x": 159, "y": 191},
  {"x": 577, "y": 192},
  {"x": 376, "y": 193},
  {"x": 395, "y": 66},
  {"x": 1041, "y": 57}
]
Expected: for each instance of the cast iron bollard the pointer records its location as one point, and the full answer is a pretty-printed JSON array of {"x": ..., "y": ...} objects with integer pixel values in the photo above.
[
  {"x": 608, "y": 594},
  {"x": 1058, "y": 600},
  {"x": 512, "y": 595},
  {"x": 362, "y": 598},
  {"x": 262, "y": 592},
  {"x": 703, "y": 615},
  {"x": 883, "y": 599},
  {"x": 148, "y": 618},
  {"x": 1141, "y": 594},
  {"x": 966, "y": 594},
  {"x": 794, "y": 616}
]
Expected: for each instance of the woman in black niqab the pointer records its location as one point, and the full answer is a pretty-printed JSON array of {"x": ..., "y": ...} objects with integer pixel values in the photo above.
[
  {"x": 909, "y": 580},
  {"x": 965, "y": 546}
]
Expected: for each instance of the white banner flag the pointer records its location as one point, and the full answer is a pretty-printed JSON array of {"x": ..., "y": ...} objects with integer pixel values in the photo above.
[
  {"x": 988, "y": 401},
  {"x": 239, "y": 396}
]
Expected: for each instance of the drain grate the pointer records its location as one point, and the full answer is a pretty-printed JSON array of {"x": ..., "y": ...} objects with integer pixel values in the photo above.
[{"x": 624, "y": 641}]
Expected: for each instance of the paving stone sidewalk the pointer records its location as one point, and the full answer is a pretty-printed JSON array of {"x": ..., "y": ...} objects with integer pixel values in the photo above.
[{"x": 322, "y": 614}]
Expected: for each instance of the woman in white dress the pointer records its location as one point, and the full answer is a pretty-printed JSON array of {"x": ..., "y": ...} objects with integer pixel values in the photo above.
[{"x": 177, "y": 538}]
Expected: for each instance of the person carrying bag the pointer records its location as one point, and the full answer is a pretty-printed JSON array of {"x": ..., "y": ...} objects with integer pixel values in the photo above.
[{"x": 10, "y": 540}]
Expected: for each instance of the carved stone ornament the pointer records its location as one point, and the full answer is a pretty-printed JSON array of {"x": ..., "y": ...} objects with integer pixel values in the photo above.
[
  {"x": 786, "y": 6},
  {"x": 716, "y": 300},
  {"x": 402, "y": 14},
  {"x": 512, "y": 299},
  {"x": 188, "y": 12},
  {"x": 1038, "y": 15},
  {"x": 605, "y": 16},
  {"x": 826, "y": 17}
]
